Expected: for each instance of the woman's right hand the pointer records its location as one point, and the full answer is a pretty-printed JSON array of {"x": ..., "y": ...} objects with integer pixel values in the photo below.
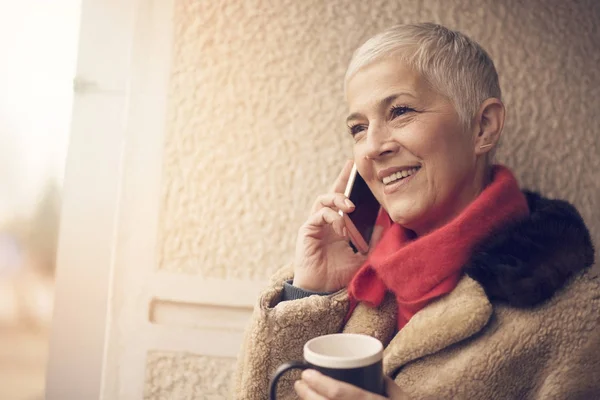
[{"x": 324, "y": 260}]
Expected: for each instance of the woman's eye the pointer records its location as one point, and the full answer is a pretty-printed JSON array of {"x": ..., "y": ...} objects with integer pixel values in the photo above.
[
  {"x": 396, "y": 112},
  {"x": 356, "y": 129}
]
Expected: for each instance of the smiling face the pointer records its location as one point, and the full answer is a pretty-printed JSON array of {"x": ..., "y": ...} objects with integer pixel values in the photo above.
[{"x": 411, "y": 148}]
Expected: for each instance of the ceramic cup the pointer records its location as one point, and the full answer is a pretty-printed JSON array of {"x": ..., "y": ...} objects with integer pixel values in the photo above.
[{"x": 348, "y": 357}]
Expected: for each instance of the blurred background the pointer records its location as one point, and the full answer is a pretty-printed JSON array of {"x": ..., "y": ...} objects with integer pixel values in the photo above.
[{"x": 38, "y": 42}]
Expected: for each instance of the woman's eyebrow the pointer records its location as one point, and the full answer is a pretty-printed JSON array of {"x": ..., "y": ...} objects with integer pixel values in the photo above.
[
  {"x": 353, "y": 116},
  {"x": 384, "y": 103}
]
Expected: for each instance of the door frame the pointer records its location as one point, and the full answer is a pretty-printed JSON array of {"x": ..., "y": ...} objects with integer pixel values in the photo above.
[{"x": 107, "y": 282}]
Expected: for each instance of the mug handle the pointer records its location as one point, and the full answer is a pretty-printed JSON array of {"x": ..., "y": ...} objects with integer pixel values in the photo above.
[{"x": 283, "y": 368}]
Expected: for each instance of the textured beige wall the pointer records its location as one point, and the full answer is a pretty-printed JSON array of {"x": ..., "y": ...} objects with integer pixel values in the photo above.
[
  {"x": 255, "y": 127},
  {"x": 175, "y": 376}
]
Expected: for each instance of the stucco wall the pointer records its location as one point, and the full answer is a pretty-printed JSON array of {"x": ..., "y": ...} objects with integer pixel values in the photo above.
[
  {"x": 181, "y": 376},
  {"x": 255, "y": 122}
]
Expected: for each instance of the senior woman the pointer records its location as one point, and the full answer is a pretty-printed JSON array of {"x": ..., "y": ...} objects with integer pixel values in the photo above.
[{"x": 477, "y": 289}]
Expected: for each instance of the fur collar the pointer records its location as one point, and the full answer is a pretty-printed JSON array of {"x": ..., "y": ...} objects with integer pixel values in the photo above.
[{"x": 527, "y": 262}]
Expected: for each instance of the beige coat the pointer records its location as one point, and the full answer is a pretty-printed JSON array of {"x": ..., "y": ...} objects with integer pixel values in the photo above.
[{"x": 462, "y": 346}]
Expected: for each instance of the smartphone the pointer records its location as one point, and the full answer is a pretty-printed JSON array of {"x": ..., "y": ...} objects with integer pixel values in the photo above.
[{"x": 360, "y": 222}]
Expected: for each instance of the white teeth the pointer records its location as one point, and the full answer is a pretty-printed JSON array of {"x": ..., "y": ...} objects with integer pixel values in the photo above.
[{"x": 399, "y": 175}]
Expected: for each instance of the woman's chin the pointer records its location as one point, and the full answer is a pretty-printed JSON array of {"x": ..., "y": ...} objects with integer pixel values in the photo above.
[
  {"x": 409, "y": 216},
  {"x": 403, "y": 217}
]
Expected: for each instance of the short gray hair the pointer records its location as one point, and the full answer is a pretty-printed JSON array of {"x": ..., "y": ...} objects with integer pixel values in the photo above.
[{"x": 453, "y": 64}]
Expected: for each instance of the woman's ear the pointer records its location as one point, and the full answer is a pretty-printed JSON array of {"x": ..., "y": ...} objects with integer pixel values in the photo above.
[{"x": 488, "y": 125}]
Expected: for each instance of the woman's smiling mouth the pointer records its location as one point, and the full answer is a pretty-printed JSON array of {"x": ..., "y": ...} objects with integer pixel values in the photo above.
[
  {"x": 394, "y": 181},
  {"x": 404, "y": 173}
]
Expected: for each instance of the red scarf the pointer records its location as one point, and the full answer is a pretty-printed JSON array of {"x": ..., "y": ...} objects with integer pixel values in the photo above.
[{"x": 420, "y": 270}]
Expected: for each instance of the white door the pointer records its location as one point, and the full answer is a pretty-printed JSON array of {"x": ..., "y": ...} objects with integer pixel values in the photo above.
[{"x": 124, "y": 328}]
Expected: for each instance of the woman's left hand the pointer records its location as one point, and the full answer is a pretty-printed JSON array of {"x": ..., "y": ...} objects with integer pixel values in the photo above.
[{"x": 316, "y": 386}]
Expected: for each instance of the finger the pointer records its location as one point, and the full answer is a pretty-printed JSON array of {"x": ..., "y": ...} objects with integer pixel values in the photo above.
[
  {"x": 333, "y": 389},
  {"x": 394, "y": 391},
  {"x": 340, "y": 183},
  {"x": 305, "y": 392},
  {"x": 335, "y": 201},
  {"x": 327, "y": 216}
]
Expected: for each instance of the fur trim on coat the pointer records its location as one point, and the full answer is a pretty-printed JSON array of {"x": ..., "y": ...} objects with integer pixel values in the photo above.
[{"x": 526, "y": 263}]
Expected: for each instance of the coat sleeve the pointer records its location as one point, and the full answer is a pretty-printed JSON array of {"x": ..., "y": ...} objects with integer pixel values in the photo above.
[{"x": 277, "y": 333}]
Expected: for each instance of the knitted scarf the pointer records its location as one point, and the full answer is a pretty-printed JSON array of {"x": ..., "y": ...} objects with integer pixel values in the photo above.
[{"x": 418, "y": 271}]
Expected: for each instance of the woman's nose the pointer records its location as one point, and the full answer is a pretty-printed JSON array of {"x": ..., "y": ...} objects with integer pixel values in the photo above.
[{"x": 379, "y": 141}]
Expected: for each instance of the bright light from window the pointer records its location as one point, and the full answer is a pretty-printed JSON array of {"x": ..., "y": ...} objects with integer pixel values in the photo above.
[{"x": 38, "y": 44}]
